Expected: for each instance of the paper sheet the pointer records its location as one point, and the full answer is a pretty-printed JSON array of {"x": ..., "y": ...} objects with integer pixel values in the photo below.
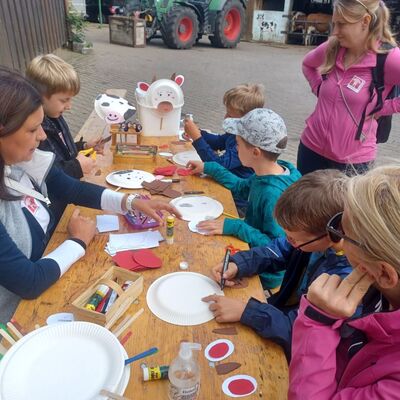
[{"x": 107, "y": 223}]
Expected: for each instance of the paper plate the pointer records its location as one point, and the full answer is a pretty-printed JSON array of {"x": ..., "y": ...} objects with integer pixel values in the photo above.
[
  {"x": 129, "y": 179},
  {"x": 197, "y": 208},
  {"x": 125, "y": 377},
  {"x": 176, "y": 298},
  {"x": 192, "y": 226},
  {"x": 63, "y": 361},
  {"x": 184, "y": 157}
]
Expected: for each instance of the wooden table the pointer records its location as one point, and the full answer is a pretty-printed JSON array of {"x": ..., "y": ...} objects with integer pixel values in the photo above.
[{"x": 259, "y": 358}]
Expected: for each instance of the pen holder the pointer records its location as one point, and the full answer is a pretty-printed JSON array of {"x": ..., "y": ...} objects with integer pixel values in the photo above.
[{"x": 114, "y": 278}]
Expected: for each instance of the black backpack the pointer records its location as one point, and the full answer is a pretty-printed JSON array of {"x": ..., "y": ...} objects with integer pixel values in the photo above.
[{"x": 378, "y": 83}]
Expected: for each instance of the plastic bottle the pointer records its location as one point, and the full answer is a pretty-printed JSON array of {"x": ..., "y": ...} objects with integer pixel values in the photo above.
[{"x": 184, "y": 374}]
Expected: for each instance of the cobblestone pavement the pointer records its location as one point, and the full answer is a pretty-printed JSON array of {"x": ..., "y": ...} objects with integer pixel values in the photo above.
[{"x": 208, "y": 72}]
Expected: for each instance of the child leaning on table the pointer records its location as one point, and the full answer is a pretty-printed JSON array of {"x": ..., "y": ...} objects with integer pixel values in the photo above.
[
  {"x": 306, "y": 252},
  {"x": 261, "y": 136},
  {"x": 58, "y": 83}
]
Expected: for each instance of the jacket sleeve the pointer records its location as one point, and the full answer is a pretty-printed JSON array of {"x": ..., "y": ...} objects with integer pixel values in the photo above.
[
  {"x": 239, "y": 187},
  {"x": 392, "y": 77},
  {"x": 71, "y": 190},
  {"x": 312, "y": 61},
  {"x": 22, "y": 276},
  {"x": 214, "y": 141},
  {"x": 254, "y": 236},
  {"x": 271, "y": 258},
  {"x": 270, "y": 323}
]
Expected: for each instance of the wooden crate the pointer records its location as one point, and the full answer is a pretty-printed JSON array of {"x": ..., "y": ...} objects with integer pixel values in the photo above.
[
  {"x": 133, "y": 152},
  {"x": 113, "y": 278},
  {"x": 128, "y": 31}
]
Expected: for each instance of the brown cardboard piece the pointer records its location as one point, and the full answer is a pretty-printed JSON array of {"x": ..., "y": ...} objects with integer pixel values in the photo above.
[
  {"x": 229, "y": 330},
  {"x": 223, "y": 369}
]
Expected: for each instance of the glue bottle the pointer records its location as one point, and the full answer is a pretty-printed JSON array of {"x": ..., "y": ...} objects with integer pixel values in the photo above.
[
  {"x": 170, "y": 229},
  {"x": 184, "y": 374}
]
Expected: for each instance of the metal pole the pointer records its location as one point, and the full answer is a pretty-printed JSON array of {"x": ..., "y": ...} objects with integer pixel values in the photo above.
[{"x": 100, "y": 13}]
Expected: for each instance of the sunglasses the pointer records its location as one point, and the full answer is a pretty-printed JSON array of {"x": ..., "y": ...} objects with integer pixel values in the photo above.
[
  {"x": 311, "y": 241},
  {"x": 336, "y": 233}
]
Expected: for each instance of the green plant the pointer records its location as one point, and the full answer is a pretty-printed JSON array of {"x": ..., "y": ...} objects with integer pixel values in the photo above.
[{"x": 77, "y": 25}]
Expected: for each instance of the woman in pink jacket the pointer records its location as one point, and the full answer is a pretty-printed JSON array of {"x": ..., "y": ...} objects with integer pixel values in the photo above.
[
  {"x": 340, "y": 74},
  {"x": 337, "y": 357}
]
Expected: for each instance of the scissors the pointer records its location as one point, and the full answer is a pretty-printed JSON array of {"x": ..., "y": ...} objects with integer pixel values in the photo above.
[{"x": 91, "y": 152}]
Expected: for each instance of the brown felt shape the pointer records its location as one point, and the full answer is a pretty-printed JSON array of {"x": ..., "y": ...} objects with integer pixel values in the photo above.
[
  {"x": 223, "y": 369},
  {"x": 164, "y": 188},
  {"x": 230, "y": 330}
]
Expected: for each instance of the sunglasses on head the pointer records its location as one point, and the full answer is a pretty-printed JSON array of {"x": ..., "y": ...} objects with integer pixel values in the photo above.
[{"x": 336, "y": 233}]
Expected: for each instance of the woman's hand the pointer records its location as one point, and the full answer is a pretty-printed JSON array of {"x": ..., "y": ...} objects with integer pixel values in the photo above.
[
  {"x": 80, "y": 227},
  {"x": 337, "y": 297},
  {"x": 191, "y": 129},
  {"x": 196, "y": 167},
  {"x": 150, "y": 208},
  {"x": 214, "y": 227},
  {"x": 229, "y": 274},
  {"x": 224, "y": 308},
  {"x": 87, "y": 163}
]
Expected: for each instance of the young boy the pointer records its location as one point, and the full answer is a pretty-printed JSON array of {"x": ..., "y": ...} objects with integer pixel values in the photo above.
[
  {"x": 58, "y": 83},
  {"x": 305, "y": 253},
  {"x": 261, "y": 137},
  {"x": 238, "y": 101}
]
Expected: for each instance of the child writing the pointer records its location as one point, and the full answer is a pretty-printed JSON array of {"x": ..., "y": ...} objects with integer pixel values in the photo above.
[
  {"x": 261, "y": 137},
  {"x": 306, "y": 252},
  {"x": 336, "y": 356},
  {"x": 58, "y": 83}
]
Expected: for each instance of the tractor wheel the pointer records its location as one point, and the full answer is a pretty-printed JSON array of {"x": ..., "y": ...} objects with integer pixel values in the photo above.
[
  {"x": 180, "y": 28},
  {"x": 228, "y": 25}
]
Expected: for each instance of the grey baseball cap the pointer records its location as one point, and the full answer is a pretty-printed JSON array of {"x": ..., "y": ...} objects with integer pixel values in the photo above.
[{"x": 260, "y": 127}]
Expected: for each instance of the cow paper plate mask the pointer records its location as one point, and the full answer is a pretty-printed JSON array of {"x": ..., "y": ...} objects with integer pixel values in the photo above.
[{"x": 113, "y": 109}]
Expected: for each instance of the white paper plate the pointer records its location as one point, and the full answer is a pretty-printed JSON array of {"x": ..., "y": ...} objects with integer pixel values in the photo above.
[
  {"x": 63, "y": 361},
  {"x": 125, "y": 377},
  {"x": 184, "y": 157},
  {"x": 129, "y": 180},
  {"x": 192, "y": 226},
  {"x": 197, "y": 208},
  {"x": 176, "y": 298}
]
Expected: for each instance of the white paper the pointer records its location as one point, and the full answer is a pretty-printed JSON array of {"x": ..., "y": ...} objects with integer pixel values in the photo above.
[{"x": 107, "y": 223}]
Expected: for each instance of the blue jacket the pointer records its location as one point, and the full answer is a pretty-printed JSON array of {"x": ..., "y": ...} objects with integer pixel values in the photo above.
[
  {"x": 274, "y": 320},
  {"x": 28, "y": 278}
]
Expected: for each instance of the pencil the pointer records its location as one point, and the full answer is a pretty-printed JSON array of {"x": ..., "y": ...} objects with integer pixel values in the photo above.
[
  {"x": 225, "y": 267},
  {"x": 230, "y": 215}
]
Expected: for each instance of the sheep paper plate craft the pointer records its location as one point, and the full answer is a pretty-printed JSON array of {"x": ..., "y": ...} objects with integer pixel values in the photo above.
[
  {"x": 159, "y": 105},
  {"x": 113, "y": 109}
]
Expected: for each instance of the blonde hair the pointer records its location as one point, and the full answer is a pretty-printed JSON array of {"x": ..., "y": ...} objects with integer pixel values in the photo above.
[
  {"x": 309, "y": 203},
  {"x": 51, "y": 74},
  {"x": 372, "y": 209},
  {"x": 353, "y": 11},
  {"x": 244, "y": 98}
]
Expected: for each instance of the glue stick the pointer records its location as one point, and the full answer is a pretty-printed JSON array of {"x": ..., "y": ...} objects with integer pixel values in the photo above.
[
  {"x": 96, "y": 298},
  {"x": 170, "y": 229},
  {"x": 154, "y": 373}
]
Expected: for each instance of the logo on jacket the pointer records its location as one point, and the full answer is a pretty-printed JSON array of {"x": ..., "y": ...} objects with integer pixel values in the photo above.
[{"x": 356, "y": 84}]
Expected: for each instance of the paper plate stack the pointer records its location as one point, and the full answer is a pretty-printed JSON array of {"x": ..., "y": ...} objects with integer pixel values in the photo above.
[{"x": 72, "y": 360}]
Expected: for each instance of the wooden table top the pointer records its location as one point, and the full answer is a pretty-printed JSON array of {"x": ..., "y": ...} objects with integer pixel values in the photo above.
[{"x": 260, "y": 358}]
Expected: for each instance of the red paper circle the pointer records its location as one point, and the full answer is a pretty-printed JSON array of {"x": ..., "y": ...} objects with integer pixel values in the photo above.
[
  {"x": 218, "y": 350},
  {"x": 147, "y": 259},
  {"x": 240, "y": 386}
]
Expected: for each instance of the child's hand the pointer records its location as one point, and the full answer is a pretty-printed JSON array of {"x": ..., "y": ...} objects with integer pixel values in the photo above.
[
  {"x": 196, "y": 167},
  {"x": 229, "y": 274},
  {"x": 80, "y": 227},
  {"x": 87, "y": 163},
  {"x": 191, "y": 129},
  {"x": 214, "y": 227},
  {"x": 337, "y": 297},
  {"x": 224, "y": 308},
  {"x": 97, "y": 144}
]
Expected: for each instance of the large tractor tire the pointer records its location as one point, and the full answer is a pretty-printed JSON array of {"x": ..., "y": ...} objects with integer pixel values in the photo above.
[
  {"x": 229, "y": 25},
  {"x": 180, "y": 28}
]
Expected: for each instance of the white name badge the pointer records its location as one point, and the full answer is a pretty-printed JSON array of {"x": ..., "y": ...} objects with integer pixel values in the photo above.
[{"x": 356, "y": 84}]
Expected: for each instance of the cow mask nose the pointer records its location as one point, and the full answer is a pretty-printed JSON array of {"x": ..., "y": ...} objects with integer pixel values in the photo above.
[{"x": 165, "y": 107}]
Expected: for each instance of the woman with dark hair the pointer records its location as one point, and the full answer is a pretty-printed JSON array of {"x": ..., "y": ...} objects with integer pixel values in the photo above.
[
  {"x": 340, "y": 73},
  {"x": 28, "y": 182}
]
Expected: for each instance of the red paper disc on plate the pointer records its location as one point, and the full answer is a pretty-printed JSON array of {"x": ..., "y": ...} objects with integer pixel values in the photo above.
[
  {"x": 147, "y": 258},
  {"x": 219, "y": 350},
  {"x": 239, "y": 385}
]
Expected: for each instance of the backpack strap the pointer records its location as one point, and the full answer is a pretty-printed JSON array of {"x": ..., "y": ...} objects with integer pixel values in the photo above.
[{"x": 377, "y": 83}]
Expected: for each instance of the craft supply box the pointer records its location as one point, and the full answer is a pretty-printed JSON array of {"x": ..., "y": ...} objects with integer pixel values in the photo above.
[{"x": 121, "y": 304}]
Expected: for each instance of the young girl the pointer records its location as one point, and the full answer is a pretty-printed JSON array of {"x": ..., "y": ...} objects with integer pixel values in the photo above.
[
  {"x": 27, "y": 181},
  {"x": 340, "y": 74},
  {"x": 337, "y": 357}
]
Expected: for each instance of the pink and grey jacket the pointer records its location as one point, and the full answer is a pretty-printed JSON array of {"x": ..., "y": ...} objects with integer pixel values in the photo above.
[
  {"x": 321, "y": 368},
  {"x": 330, "y": 130}
]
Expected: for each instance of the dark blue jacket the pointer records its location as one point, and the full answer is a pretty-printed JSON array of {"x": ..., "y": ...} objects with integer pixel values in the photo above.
[
  {"x": 28, "y": 278},
  {"x": 208, "y": 144},
  {"x": 274, "y": 320}
]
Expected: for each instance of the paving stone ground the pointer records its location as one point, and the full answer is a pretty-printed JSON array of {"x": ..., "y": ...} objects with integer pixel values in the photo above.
[{"x": 208, "y": 72}]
